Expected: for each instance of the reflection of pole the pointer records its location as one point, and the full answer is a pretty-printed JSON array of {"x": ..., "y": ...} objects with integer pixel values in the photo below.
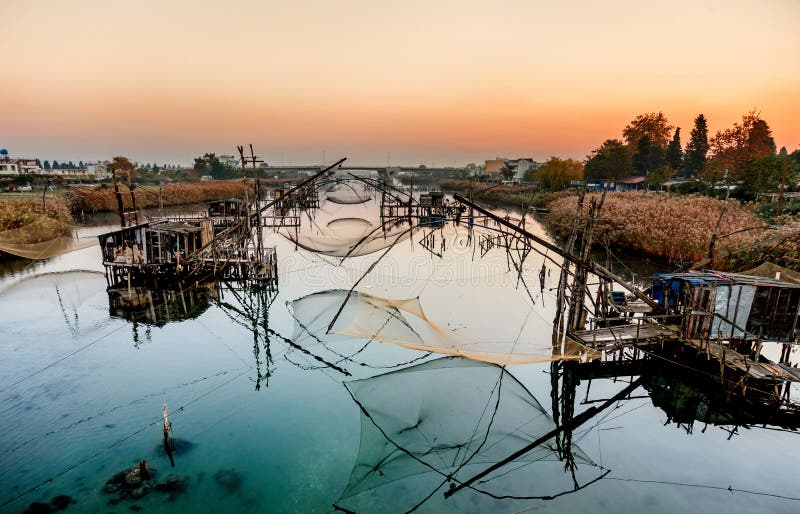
[{"x": 572, "y": 424}]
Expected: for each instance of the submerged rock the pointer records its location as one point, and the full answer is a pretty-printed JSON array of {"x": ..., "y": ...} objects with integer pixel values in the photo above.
[
  {"x": 60, "y": 502},
  {"x": 130, "y": 484},
  {"x": 173, "y": 483},
  {"x": 38, "y": 508},
  {"x": 228, "y": 479}
]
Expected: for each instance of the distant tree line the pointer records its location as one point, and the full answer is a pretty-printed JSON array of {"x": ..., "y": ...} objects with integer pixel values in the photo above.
[
  {"x": 209, "y": 164},
  {"x": 743, "y": 155}
]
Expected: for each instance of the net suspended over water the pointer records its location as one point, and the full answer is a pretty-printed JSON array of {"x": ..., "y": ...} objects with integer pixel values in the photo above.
[
  {"x": 347, "y": 193},
  {"x": 43, "y": 238},
  {"x": 405, "y": 323},
  {"x": 350, "y": 237},
  {"x": 453, "y": 417}
]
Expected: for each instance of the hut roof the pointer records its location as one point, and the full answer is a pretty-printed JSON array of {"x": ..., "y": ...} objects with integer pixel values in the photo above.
[
  {"x": 176, "y": 228},
  {"x": 715, "y": 278},
  {"x": 769, "y": 269}
]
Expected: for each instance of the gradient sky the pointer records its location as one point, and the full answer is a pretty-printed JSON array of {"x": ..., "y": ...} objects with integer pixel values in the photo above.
[{"x": 434, "y": 82}]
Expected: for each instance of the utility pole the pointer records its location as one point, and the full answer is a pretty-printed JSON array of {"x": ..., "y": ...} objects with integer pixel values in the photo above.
[
  {"x": 780, "y": 191},
  {"x": 120, "y": 208},
  {"x": 254, "y": 161},
  {"x": 131, "y": 187}
]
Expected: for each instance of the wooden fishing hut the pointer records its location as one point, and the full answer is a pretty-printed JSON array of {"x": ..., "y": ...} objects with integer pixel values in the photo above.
[
  {"x": 730, "y": 306},
  {"x": 152, "y": 250},
  {"x": 225, "y": 213}
]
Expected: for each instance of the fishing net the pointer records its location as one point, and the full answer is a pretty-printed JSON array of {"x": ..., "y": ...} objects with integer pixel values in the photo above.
[
  {"x": 404, "y": 322},
  {"x": 453, "y": 417},
  {"x": 43, "y": 238},
  {"x": 351, "y": 237},
  {"x": 348, "y": 193}
]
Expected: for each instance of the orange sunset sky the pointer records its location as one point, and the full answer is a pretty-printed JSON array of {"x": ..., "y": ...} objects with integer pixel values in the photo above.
[{"x": 434, "y": 82}]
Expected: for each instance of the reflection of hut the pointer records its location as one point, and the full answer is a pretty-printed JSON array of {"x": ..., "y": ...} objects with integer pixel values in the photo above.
[
  {"x": 731, "y": 306},
  {"x": 159, "y": 307}
]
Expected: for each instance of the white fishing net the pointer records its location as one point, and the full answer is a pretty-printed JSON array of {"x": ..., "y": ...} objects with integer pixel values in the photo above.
[
  {"x": 404, "y": 322},
  {"x": 453, "y": 417}
]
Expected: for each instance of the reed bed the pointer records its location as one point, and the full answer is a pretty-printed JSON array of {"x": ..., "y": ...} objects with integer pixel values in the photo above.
[
  {"x": 18, "y": 213},
  {"x": 22, "y": 221},
  {"x": 673, "y": 228},
  {"x": 94, "y": 200}
]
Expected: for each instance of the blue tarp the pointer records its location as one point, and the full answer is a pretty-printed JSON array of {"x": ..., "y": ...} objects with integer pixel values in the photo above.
[{"x": 661, "y": 281}]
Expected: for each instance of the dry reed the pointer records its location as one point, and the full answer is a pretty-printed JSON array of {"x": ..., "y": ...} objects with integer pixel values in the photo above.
[{"x": 674, "y": 228}]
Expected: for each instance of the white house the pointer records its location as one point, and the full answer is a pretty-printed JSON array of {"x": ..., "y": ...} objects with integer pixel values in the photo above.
[
  {"x": 9, "y": 168},
  {"x": 98, "y": 169}
]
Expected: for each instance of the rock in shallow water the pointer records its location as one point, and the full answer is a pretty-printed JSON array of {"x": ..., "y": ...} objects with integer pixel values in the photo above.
[{"x": 228, "y": 479}]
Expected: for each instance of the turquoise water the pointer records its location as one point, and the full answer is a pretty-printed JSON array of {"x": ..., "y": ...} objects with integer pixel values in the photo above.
[{"x": 82, "y": 389}]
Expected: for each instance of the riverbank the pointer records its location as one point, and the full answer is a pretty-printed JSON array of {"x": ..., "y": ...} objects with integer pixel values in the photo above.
[
  {"x": 103, "y": 199},
  {"x": 510, "y": 195}
]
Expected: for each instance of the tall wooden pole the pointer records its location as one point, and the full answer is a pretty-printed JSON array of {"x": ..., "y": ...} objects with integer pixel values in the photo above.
[{"x": 120, "y": 208}]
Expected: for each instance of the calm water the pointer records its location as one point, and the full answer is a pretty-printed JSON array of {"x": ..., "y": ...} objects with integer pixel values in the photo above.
[{"x": 364, "y": 424}]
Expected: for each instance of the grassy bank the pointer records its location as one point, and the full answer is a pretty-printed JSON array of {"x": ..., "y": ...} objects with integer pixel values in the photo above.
[
  {"x": 673, "y": 228},
  {"x": 514, "y": 196},
  {"x": 104, "y": 199}
]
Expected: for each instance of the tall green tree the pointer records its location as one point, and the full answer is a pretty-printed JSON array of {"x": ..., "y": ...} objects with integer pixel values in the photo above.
[
  {"x": 795, "y": 157},
  {"x": 56, "y": 165},
  {"x": 38, "y": 163},
  {"x": 121, "y": 165},
  {"x": 765, "y": 175},
  {"x": 209, "y": 164},
  {"x": 648, "y": 157},
  {"x": 611, "y": 160},
  {"x": 674, "y": 155},
  {"x": 654, "y": 125},
  {"x": 507, "y": 171},
  {"x": 737, "y": 148},
  {"x": 697, "y": 150},
  {"x": 556, "y": 174},
  {"x": 47, "y": 165}
]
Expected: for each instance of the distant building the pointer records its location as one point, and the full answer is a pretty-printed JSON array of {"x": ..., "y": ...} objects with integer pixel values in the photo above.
[
  {"x": 229, "y": 160},
  {"x": 520, "y": 167},
  {"x": 8, "y": 168},
  {"x": 98, "y": 169},
  {"x": 68, "y": 172},
  {"x": 620, "y": 185},
  {"x": 494, "y": 167},
  {"x": 28, "y": 167}
]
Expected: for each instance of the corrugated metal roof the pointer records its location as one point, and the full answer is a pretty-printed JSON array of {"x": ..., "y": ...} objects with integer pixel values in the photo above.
[{"x": 724, "y": 278}]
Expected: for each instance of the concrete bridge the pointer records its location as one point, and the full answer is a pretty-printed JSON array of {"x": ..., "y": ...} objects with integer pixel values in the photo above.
[{"x": 419, "y": 171}]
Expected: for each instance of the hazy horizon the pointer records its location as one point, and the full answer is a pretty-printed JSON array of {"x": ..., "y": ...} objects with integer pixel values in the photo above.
[{"x": 413, "y": 83}]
